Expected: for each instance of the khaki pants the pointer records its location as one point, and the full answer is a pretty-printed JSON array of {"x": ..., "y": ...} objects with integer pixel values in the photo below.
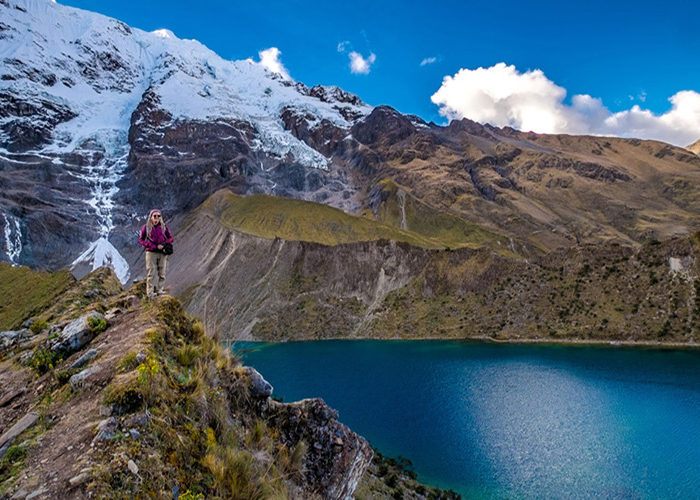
[{"x": 155, "y": 272}]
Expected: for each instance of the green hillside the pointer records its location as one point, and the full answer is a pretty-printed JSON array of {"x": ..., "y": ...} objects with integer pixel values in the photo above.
[{"x": 297, "y": 220}]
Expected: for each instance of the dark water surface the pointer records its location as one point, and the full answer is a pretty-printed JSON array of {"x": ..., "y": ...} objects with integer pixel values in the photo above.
[{"x": 510, "y": 421}]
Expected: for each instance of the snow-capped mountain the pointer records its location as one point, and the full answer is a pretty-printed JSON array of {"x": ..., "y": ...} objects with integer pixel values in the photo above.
[
  {"x": 100, "y": 122},
  {"x": 90, "y": 109}
]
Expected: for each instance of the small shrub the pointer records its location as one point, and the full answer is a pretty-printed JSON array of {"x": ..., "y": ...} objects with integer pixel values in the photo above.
[
  {"x": 63, "y": 376},
  {"x": 15, "y": 453},
  {"x": 38, "y": 326},
  {"x": 97, "y": 325},
  {"x": 44, "y": 360},
  {"x": 391, "y": 480},
  {"x": 148, "y": 379}
]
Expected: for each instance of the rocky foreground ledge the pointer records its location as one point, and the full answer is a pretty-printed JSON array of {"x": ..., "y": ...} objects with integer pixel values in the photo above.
[{"x": 107, "y": 395}]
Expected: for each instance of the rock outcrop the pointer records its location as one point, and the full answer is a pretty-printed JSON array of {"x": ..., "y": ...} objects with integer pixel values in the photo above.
[
  {"x": 150, "y": 406},
  {"x": 76, "y": 334},
  {"x": 336, "y": 457}
]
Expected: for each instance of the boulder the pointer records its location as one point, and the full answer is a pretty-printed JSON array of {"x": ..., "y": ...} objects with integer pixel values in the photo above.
[
  {"x": 13, "y": 337},
  {"x": 83, "y": 360},
  {"x": 106, "y": 430},
  {"x": 138, "y": 420},
  {"x": 259, "y": 387},
  {"x": 10, "y": 396},
  {"x": 76, "y": 334},
  {"x": 23, "y": 424},
  {"x": 80, "y": 380}
]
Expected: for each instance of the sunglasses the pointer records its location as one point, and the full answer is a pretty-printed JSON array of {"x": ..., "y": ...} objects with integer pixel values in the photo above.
[{"x": 156, "y": 216}]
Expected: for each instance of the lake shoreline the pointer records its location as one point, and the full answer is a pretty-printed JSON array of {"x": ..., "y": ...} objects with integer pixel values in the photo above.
[
  {"x": 595, "y": 342},
  {"x": 642, "y": 344}
]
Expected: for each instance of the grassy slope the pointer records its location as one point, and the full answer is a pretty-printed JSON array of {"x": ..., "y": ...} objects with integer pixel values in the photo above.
[
  {"x": 297, "y": 220},
  {"x": 24, "y": 292},
  {"x": 451, "y": 231}
]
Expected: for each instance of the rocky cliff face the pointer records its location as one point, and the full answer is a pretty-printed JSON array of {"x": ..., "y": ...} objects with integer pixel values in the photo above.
[
  {"x": 246, "y": 287},
  {"x": 136, "y": 401}
]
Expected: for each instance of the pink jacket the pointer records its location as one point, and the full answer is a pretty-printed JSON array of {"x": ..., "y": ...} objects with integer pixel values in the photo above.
[{"x": 157, "y": 237}]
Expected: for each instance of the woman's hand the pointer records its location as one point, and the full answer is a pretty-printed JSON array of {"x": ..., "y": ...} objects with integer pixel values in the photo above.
[{"x": 160, "y": 247}]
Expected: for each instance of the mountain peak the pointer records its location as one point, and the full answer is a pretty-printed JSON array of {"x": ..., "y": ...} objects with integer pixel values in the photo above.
[
  {"x": 73, "y": 83},
  {"x": 164, "y": 33},
  {"x": 694, "y": 147}
]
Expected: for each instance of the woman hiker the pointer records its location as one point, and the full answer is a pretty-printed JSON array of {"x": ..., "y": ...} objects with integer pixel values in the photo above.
[{"x": 153, "y": 237}]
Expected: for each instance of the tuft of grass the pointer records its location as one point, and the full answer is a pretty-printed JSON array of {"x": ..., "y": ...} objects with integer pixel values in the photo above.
[
  {"x": 128, "y": 362},
  {"x": 125, "y": 393},
  {"x": 11, "y": 464},
  {"x": 186, "y": 355},
  {"x": 171, "y": 313},
  {"x": 237, "y": 476},
  {"x": 15, "y": 453}
]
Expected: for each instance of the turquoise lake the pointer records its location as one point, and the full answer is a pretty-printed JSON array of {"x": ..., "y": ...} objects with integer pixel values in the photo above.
[{"x": 510, "y": 421}]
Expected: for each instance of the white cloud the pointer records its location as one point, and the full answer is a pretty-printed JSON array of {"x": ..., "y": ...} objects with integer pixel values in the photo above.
[
  {"x": 428, "y": 60},
  {"x": 270, "y": 58},
  {"x": 360, "y": 65},
  {"x": 529, "y": 101},
  {"x": 342, "y": 46}
]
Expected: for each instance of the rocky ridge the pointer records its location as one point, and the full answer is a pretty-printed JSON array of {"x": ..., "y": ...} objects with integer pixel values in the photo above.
[{"x": 136, "y": 401}]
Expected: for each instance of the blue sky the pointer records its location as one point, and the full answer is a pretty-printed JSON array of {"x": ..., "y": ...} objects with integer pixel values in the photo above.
[{"x": 618, "y": 54}]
